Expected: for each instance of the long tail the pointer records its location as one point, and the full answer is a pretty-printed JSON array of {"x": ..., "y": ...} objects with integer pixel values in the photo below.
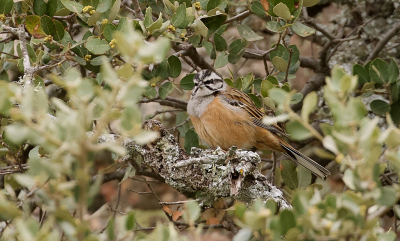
[{"x": 306, "y": 162}]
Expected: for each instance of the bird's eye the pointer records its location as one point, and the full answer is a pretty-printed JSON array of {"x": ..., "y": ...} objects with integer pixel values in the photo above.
[{"x": 196, "y": 84}]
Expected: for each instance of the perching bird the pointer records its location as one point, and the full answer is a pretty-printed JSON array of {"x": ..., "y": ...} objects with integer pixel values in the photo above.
[{"x": 224, "y": 116}]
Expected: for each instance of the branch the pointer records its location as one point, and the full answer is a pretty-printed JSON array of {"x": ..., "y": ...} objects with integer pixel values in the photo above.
[
  {"x": 138, "y": 11},
  {"x": 169, "y": 101},
  {"x": 383, "y": 42},
  {"x": 192, "y": 53},
  {"x": 305, "y": 62},
  {"x": 239, "y": 16},
  {"x": 215, "y": 173}
]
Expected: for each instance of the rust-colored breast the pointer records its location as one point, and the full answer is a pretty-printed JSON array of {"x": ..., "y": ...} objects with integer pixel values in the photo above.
[{"x": 223, "y": 127}]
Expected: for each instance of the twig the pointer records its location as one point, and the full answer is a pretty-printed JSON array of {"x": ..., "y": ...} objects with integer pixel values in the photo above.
[
  {"x": 383, "y": 42},
  {"x": 159, "y": 200},
  {"x": 129, "y": 9},
  {"x": 273, "y": 168},
  {"x": 178, "y": 202},
  {"x": 117, "y": 204},
  {"x": 52, "y": 65},
  {"x": 138, "y": 11},
  {"x": 240, "y": 16},
  {"x": 144, "y": 229},
  {"x": 6, "y": 39},
  {"x": 163, "y": 111},
  {"x": 169, "y": 101},
  {"x": 181, "y": 124},
  {"x": 28, "y": 69},
  {"x": 140, "y": 193}
]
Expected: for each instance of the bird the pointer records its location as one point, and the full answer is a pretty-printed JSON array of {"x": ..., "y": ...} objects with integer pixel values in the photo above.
[{"x": 224, "y": 117}]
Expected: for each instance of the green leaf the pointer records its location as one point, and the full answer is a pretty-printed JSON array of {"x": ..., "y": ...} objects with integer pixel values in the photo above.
[
  {"x": 108, "y": 31},
  {"x": 191, "y": 140},
  {"x": 165, "y": 89},
  {"x": 150, "y": 92},
  {"x": 287, "y": 221},
  {"x": 296, "y": 98},
  {"x": 213, "y": 4},
  {"x": 33, "y": 27},
  {"x": 309, "y": 3},
  {"x": 234, "y": 58},
  {"x": 72, "y": 6},
  {"x": 220, "y": 43},
  {"x": 52, "y": 27},
  {"x": 130, "y": 221},
  {"x": 394, "y": 92},
  {"x": 236, "y": 46},
  {"x": 148, "y": 19},
  {"x": 247, "y": 33},
  {"x": 289, "y": 174},
  {"x": 304, "y": 176},
  {"x": 255, "y": 99},
  {"x": 277, "y": 52},
  {"x": 295, "y": 55},
  {"x": 302, "y": 30},
  {"x": 175, "y": 66},
  {"x": 156, "y": 25},
  {"x": 379, "y": 71},
  {"x": 6, "y": 6},
  {"x": 393, "y": 71},
  {"x": 266, "y": 85},
  {"x": 310, "y": 102},
  {"x": 281, "y": 10},
  {"x": 199, "y": 27},
  {"x": 221, "y": 60},
  {"x": 114, "y": 10},
  {"x": 110, "y": 229},
  {"x": 297, "y": 131},
  {"x": 379, "y": 107},
  {"x": 97, "y": 46},
  {"x": 274, "y": 26},
  {"x": 214, "y": 22},
  {"x": 187, "y": 82},
  {"x": 280, "y": 63},
  {"x": 277, "y": 95},
  {"x": 103, "y": 6},
  {"x": 257, "y": 8},
  {"x": 179, "y": 17},
  {"x": 388, "y": 196},
  {"x": 395, "y": 112},
  {"x": 39, "y": 7},
  {"x": 363, "y": 74},
  {"x": 192, "y": 212}
]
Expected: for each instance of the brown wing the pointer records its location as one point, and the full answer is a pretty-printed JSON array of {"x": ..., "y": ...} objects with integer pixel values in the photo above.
[{"x": 237, "y": 98}]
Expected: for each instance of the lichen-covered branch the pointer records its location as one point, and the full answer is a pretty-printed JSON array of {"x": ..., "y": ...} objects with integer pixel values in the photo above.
[{"x": 211, "y": 173}]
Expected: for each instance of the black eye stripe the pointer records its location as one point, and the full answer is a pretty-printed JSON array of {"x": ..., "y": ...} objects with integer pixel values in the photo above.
[{"x": 211, "y": 81}]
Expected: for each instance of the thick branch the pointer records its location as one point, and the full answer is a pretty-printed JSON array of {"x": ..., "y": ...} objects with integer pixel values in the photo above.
[
  {"x": 214, "y": 173},
  {"x": 383, "y": 41}
]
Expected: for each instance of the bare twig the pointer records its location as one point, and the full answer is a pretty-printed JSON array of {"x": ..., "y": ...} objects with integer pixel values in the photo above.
[
  {"x": 383, "y": 41},
  {"x": 240, "y": 16},
  {"x": 129, "y": 9},
  {"x": 273, "y": 168},
  {"x": 178, "y": 202},
  {"x": 164, "y": 111}
]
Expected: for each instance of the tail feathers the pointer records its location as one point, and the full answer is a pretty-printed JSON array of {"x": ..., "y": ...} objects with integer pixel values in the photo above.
[{"x": 306, "y": 162}]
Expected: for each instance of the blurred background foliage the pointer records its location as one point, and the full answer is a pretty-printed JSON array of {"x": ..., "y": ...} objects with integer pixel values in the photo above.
[{"x": 73, "y": 73}]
